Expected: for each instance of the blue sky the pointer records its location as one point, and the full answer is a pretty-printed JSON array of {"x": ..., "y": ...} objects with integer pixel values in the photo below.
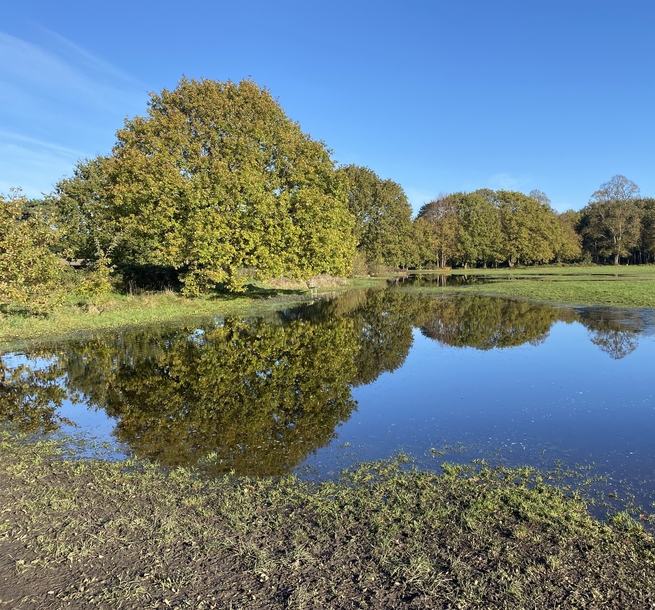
[{"x": 438, "y": 96}]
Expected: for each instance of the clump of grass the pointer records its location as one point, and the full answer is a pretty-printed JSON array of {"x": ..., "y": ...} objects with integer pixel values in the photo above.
[{"x": 383, "y": 535}]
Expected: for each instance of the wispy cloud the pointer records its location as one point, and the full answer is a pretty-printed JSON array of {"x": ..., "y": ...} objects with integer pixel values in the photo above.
[
  {"x": 33, "y": 166},
  {"x": 58, "y": 103},
  {"x": 507, "y": 182},
  {"x": 65, "y": 72},
  {"x": 82, "y": 56},
  {"x": 7, "y": 137}
]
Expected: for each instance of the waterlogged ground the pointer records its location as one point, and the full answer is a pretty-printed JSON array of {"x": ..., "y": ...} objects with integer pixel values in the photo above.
[{"x": 360, "y": 377}]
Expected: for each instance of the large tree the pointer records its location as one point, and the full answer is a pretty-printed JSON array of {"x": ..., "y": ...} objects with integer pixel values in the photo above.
[
  {"x": 216, "y": 178},
  {"x": 612, "y": 218},
  {"x": 441, "y": 216},
  {"x": 530, "y": 228},
  {"x": 647, "y": 236},
  {"x": 383, "y": 217},
  {"x": 569, "y": 248},
  {"x": 479, "y": 237}
]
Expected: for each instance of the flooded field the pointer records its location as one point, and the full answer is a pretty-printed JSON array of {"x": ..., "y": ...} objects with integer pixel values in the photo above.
[{"x": 358, "y": 377}]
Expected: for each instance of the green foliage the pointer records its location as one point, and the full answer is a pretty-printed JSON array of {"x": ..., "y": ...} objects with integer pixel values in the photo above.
[
  {"x": 87, "y": 224},
  {"x": 97, "y": 282},
  {"x": 647, "y": 237},
  {"x": 530, "y": 228},
  {"x": 480, "y": 234},
  {"x": 423, "y": 247},
  {"x": 612, "y": 219},
  {"x": 383, "y": 225},
  {"x": 487, "y": 227},
  {"x": 569, "y": 249},
  {"x": 30, "y": 273},
  {"x": 441, "y": 215},
  {"x": 215, "y": 178}
]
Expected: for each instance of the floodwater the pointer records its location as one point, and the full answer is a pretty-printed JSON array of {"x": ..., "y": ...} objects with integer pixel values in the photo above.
[{"x": 358, "y": 377}]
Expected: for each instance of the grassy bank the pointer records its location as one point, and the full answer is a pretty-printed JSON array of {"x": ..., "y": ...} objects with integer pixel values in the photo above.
[
  {"x": 80, "y": 534},
  {"x": 120, "y": 310},
  {"x": 614, "y": 286}
]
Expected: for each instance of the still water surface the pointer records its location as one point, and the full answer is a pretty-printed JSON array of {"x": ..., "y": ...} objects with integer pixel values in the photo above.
[{"x": 359, "y": 377}]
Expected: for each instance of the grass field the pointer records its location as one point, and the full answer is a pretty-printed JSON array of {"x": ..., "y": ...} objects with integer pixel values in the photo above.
[
  {"x": 80, "y": 534},
  {"x": 615, "y": 286},
  {"x": 119, "y": 310}
]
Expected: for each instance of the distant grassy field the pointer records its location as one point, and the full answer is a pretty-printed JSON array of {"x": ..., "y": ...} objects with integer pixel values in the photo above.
[
  {"x": 615, "y": 286},
  {"x": 80, "y": 534}
]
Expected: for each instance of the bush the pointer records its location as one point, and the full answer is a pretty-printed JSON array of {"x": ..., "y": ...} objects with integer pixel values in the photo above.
[{"x": 30, "y": 273}]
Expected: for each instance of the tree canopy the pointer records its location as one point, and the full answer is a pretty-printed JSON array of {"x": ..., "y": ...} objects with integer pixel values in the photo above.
[
  {"x": 383, "y": 217},
  {"x": 612, "y": 226},
  {"x": 215, "y": 178}
]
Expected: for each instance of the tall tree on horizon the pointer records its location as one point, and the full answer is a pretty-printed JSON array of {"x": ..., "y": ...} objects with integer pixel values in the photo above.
[
  {"x": 480, "y": 232},
  {"x": 442, "y": 217},
  {"x": 612, "y": 219}
]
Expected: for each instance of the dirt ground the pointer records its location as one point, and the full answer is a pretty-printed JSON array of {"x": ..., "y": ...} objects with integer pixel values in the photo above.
[{"x": 92, "y": 534}]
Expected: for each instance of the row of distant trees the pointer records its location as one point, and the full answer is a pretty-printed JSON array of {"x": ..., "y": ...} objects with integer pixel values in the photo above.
[
  {"x": 491, "y": 228},
  {"x": 216, "y": 184},
  {"x": 505, "y": 227}
]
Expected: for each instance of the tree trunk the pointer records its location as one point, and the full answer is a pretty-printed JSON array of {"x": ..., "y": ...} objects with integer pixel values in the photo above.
[{"x": 616, "y": 259}]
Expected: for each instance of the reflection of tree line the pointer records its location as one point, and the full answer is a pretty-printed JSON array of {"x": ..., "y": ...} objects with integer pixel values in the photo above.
[
  {"x": 259, "y": 396},
  {"x": 490, "y": 322}
]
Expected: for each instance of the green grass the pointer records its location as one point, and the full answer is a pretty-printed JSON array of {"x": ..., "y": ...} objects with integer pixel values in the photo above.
[
  {"x": 94, "y": 533},
  {"x": 615, "y": 286},
  {"x": 600, "y": 285},
  {"x": 120, "y": 310}
]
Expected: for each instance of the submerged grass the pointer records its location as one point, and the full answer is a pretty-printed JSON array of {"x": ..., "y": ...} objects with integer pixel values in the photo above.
[
  {"x": 614, "y": 286},
  {"x": 81, "y": 533}
]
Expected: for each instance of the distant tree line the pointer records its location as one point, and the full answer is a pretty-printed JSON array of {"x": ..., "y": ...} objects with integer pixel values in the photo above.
[
  {"x": 216, "y": 185},
  {"x": 488, "y": 227}
]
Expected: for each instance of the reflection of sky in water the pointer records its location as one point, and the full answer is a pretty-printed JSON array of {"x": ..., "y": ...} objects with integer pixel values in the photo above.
[
  {"x": 564, "y": 396},
  {"x": 93, "y": 421}
]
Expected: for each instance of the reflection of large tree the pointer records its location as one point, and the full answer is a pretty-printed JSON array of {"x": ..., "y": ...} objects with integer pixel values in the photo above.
[
  {"x": 253, "y": 396},
  {"x": 259, "y": 396},
  {"x": 30, "y": 397},
  {"x": 488, "y": 322},
  {"x": 383, "y": 321},
  {"x": 385, "y": 324},
  {"x": 616, "y": 335}
]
